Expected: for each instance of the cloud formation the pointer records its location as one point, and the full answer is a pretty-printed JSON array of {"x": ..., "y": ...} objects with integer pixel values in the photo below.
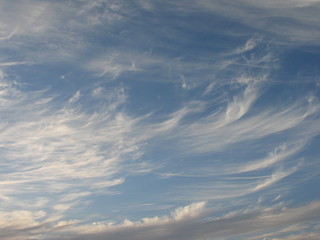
[
  {"x": 159, "y": 120},
  {"x": 61, "y": 149},
  {"x": 237, "y": 223}
]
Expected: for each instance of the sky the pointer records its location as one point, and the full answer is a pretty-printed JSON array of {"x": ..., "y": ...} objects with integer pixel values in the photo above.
[{"x": 159, "y": 119}]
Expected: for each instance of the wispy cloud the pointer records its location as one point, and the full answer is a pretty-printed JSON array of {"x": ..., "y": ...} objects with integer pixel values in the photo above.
[
  {"x": 281, "y": 153},
  {"x": 249, "y": 45},
  {"x": 61, "y": 149},
  {"x": 299, "y": 22},
  {"x": 58, "y": 31},
  {"x": 295, "y": 21},
  {"x": 112, "y": 64},
  {"x": 181, "y": 101},
  {"x": 224, "y": 127},
  {"x": 8, "y": 64}
]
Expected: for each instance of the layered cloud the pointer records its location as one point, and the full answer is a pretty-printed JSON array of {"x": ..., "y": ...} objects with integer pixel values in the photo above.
[{"x": 184, "y": 224}]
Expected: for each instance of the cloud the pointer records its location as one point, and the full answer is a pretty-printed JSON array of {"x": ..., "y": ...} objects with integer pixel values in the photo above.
[
  {"x": 293, "y": 229},
  {"x": 232, "y": 186},
  {"x": 251, "y": 44},
  {"x": 230, "y": 129},
  {"x": 59, "y": 33},
  {"x": 174, "y": 120},
  {"x": 59, "y": 153},
  {"x": 191, "y": 211},
  {"x": 277, "y": 176},
  {"x": 20, "y": 219},
  {"x": 113, "y": 64},
  {"x": 295, "y": 21},
  {"x": 231, "y": 132},
  {"x": 290, "y": 21},
  {"x": 181, "y": 215},
  {"x": 223, "y": 136},
  {"x": 7, "y": 64},
  {"x": 183, "y": 223},
  {"x": 75, "y": 97},
  {"x": 240, "y": 105},
  {"x": 280, "y": 153},
  {"x": 193, "y": 226}
]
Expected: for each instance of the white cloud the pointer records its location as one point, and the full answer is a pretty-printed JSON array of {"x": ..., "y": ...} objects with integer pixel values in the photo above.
[
  {"x": 57, "y": 154},
  {"x": 193, "y": 226},
  {"x": 251, "y": 44},
  {"x": 20, "y": 219},
  {"x": 59, "y": 30},
  {"x": 280, "y": 153},
  {"x": 241, "y": 104},
  {"x": 60, "y": 153},
  {"x": 191, "y": 211},
  {"x": 174, "y": 121},
  {"x": 276, "y": 176},
  {"x": 75, "y": 97},
  {"x": 203, "y": 135},
  {"x": 112, "y": 65},
  {"x": 184, "y": 223},
  {"x": 8, "y": 64}
]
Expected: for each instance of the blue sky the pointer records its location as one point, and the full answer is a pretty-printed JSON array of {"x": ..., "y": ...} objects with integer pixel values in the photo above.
[{"x": 159, "y": 119}]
